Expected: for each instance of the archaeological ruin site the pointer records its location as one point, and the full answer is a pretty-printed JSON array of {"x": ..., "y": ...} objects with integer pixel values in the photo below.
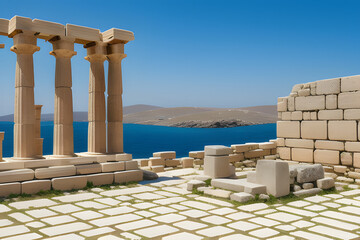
[{"x": 302, "y": 185}]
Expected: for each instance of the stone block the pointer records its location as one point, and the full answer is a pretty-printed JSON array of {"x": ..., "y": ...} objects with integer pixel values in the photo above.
[
  {"x": 258, "y": 153},
  {"x": 69, "y": 183},
  {"x": 308, "y": 185},
  {"x": 352, "y": 114},
  {"x": 280, "y": 142},
  {"x": 82, "y": 34},
  {"x": 351, "y": 83},
  {"x": 309, "y": 173},
  {"x": 18, "y": 23},
  {"x": 296, "y": 116},
  {"x": 16, "y": 175},
  {"x": 327, "y": 157},
  {"x": 11, "y": 165},
  {"x": 143, "y": 162},
  {"x": 331, "y": 102},
  {"x": 237, "y": 157},
  {"x": 329, "y": 145},
  {"x": 352, "y": 146},
  {"x": 251, "y": 177},
  {"x": 57, "y": 171},
  {"x": 10, "y": 188},
  {"x": 115, "y": 35},
  {"x": 187, "y": 162},
  {"x": 128, "y": 176},
  {"x": 194, "y": 184},
  {"x": 349, "y": 100},
  {"x": 267, "y": 145},
  {"x": 236, "y": 185},
  {"x": 88, "y": 169},
  {"x": 299, "y": 143},
  {"x": 284, "y": 153},
  {"x": 241, "y": 197},
  {"x": 165, "y": 155},
  {"x": 218, "y": 166},
  {"x": 310, "y": 103},
  {"x": 101, "y": 178},
  {"x": 302, "y": 155},
  {"x": 172, "y": 162},
  {"x": 291, "y": 104},
  {"x": 254, "y": 188},
  {"x": 307, "y": 192},
  {"x": 131, "y": 165},
  {"x": 313, "y": 116},
  {"x": 340, "y": 169},
  {"x": 306, "y": 116},
  {"x": 304, "y": 92},
  {"x": 4, "y": 26},
  {"x": 240, "y": 148},
  {"x": 328, "y": 86},
  {"x": 112, "y": 166},
  {"x": 286, "y": 116},
  {"x": 354, "y": 175},
  {"x": 330, "y": 114},
  {"x": 156, "y": 161},
  {"x": 342, "y": 130},
  {"x": 197, "y": 154},
  {"x": 124, "y": 157},
  {"x": 198, "y": 161},
  {"x": 217, "y": 150},
  {"x": 288, "y": 129},
  {"x": 217, "y": 193},
  {"x": 282, "y": 104},
  {"x": 35, "y": 186},
  {"x": 275, "y": 176},
  {"x": 346, "y": 158},
  {"x": 158, "y": 169},
  {"x": 314, "y": 129},
  {"x": 46, "y": 30},
  {"x": 356, "y": 159}
]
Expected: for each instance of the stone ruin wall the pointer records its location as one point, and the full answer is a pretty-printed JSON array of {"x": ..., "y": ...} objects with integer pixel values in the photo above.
[{"x": 319, "y": 122}]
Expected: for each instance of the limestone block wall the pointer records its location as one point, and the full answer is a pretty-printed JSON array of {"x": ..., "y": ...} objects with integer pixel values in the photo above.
[{"x": 319, "y": 122}]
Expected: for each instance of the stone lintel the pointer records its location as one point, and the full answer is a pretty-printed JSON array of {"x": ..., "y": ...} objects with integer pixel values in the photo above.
[
  {"x": 4, "y": 27},
  {"x": 47, "y": 30},
  {"x": 19, "y": 24},
  {"x": 83, "y": 35},
  {"x": 114, "y": 35}
]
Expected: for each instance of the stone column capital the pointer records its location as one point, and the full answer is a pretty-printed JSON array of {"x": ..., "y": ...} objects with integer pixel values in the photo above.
[
  {"x": 24, "y": 43},
  {"x": 63, "y": 53},
  {"x": 63, "y": 47},
  {"x": 96, "y": 52}
]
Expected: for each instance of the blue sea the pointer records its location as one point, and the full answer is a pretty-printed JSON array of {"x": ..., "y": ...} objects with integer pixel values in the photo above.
[{"x": 143, "y": 140}]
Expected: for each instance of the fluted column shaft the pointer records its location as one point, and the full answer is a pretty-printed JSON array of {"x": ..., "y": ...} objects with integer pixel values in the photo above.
[
  {"x": 96, "y": 114},
  {"x": 114, "y": 99},
  {"x": 24, "y": 114},
  {"x": 63, "y": 51}
]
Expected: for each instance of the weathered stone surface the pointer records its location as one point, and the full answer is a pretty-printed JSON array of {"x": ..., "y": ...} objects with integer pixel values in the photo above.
[
  {"x": 143, "y": 162},
  {"x": 217, "y": 193},
  {"x": 157, "y": 169},
  {"x": 251, "y": 177},
  {"x": 314, "y": 129},
  {"x": 187, "y": 162},
  {"x": 351, "y": 83},
  {"x": 241, "y": 197},
  {"x": 16, "y": 175},
  {"x": 128, "y": 176},
  {"x": 302, "y": 155},
  {"x": 124, "y": 157},
  {"x": 297, "y": 188},
  {"x": 258, "y": 153},
  {"x": 346, "y": 158},
  {"x": 282, "y": 104},
  {"x": 280, "y": 142},
  {"x": 35, "y": 186},
  {"x": 356, "y": 159},
  {"x": 101, "y": 178},
  {"x": 349, "y": 100},
  {"x": 329, "y": 145},
  {"x": 69, "y": 183},
  {"x": 328, "y": 86},
  {"x": 236, "y": 185},
  {"x": 309, "y": 103},
  {"x": 194, "y": 184},
  {"x": 197, "y": 154},
  {"x": 352, "y": 114},
  {"x": 165, "y": 155},
  {"x": 88, "y": 168},
  {"x": 156, "y": 161},
  {"x": 288, "y": 129},
  {"x": 306, "y": 116},
  {"x": 352, "y": 146},
  {"x": 218, "y": 166},
  {"x": 131, "y": 165},
  {"x": 304, "y": 92},
  {"x": 299, "y": 143},
  {"x": 296, "y": 116},
  {"x": 57, "y": 171},
  {"x": 355, "y": 175},
  {"x": 172, "y": 162},
  {"x": 237, "y": 157},
  {"x": 286, "y": 116},
  {"x": 309, "y": 173},
  {"x": 284, "y": 153},
  {"x": 241, "y": 148},
  {"x": 327, "y": 157},
  {"x": 330, "y": 114},
  {"x": 112, "y": 166},
  {"x": 148, "y": 175},
  {"x": 267, "y": 145},
  {"x": 254, "y": 188},
  {"x": 291, "y": 103},
  {"x": 309, "y": 192},
  {"x": 217, "y": 150},
  {"x": 342, "y": 130},
  {"x": 275, "y": 176},
  {"x": 308, "y": 185},
  {"x": 340, "y": 169},
  {"x": 10, "y": 188},
  {"x": 331, "y": 101}
]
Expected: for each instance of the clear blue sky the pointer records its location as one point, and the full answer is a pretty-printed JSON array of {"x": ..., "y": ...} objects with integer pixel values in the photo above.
[{"x": 199, "y": 53}]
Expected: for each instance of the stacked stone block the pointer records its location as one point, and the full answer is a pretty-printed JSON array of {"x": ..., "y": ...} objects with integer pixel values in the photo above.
[{"x": 319, "y": 122}]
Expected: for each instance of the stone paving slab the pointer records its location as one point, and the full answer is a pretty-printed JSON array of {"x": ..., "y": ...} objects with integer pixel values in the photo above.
[{"x": 166, "y": 210}]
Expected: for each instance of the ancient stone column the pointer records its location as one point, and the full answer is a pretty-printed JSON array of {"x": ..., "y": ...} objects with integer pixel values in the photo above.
[
  {"x": 38, "y": 139},
  {"x": 114, "y": 99},
  {"x": 24, "y": 114},
  {"x": 63, "y": 51},
  {"x": 96, "y": 55}
]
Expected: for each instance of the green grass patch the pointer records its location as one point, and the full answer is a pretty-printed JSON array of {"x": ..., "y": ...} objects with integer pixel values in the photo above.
[{"x": 208, "y": 182}]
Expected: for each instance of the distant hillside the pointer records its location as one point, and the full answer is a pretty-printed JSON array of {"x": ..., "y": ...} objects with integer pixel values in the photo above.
[{"x": 185, "y": 116}]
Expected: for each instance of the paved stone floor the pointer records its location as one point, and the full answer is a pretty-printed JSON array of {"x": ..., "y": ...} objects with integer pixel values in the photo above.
[{"x": 165, "y": 210}]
